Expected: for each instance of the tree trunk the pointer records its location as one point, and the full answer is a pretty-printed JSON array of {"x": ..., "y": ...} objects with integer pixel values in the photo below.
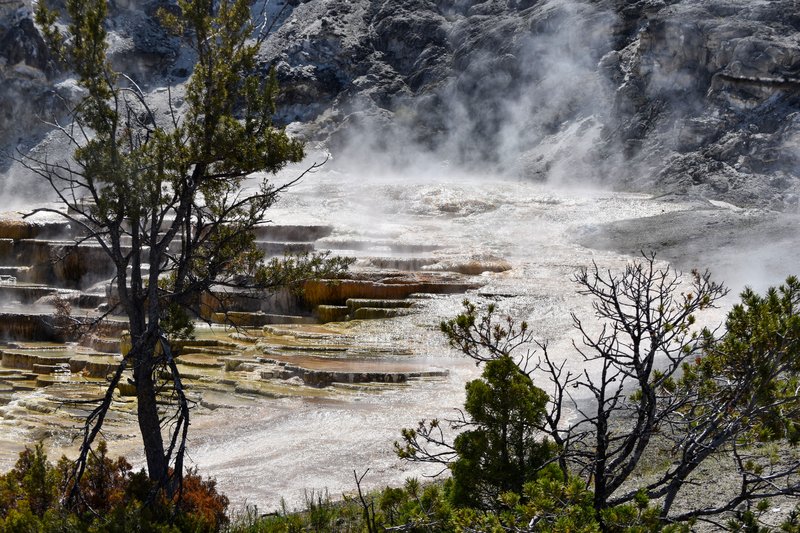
[
  {"x": 601, "y": 450},
  {"x": 147, "y": 411}
]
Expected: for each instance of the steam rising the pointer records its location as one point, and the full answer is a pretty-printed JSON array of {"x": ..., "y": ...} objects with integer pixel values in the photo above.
[
  {"x": 537, "y": 94},
  {"x": 534, "y": 108}
]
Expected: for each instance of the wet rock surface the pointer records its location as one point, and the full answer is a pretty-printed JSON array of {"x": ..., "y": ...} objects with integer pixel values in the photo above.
[
  {"x": 700, "y": 97},
  {"x": 754, "y": 247},
  {"x": 263, "y": 346},
  {"x": 686, "y": 96},
  {"x": 44, "y": 387}
]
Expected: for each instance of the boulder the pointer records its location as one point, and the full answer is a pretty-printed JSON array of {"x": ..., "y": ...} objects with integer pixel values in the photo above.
[{"x": 22, "y": 43}]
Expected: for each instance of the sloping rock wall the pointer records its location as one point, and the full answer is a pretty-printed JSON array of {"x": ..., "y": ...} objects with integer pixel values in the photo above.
[
  {"x": 24, "y": 62},
  {"x": 708, "y": 100},
  {"x": 690, "y": 96},
  {"x": 695, "y": 96}
]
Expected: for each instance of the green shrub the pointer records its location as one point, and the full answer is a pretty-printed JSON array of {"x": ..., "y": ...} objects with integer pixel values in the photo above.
[
  {"x": 113, "y": 498},
  {"x": 503, "y": 451}
]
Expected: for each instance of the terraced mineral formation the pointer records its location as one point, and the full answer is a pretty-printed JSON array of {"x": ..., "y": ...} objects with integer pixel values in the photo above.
[{"x": 287, "y": 344}]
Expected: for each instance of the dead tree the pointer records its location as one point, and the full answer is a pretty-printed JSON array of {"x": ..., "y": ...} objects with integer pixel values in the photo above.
[
  {"x": 647, "y": 333},
  {"x": 655, "y": 379}
]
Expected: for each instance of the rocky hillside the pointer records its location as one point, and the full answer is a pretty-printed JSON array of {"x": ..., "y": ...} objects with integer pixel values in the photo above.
[
  {"x": 689, "y": 96},
  {"x": 24, "y": 64}
]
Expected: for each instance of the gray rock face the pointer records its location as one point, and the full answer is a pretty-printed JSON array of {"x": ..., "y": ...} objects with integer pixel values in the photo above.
[
  {"x": 24, "y": 61},
  {"x": 21, "y": 43},
  {"x": 32, "y": 92},
  {"x": 708, "y": 99},
  {"x": 139, "y": 46},
  {"x": 656, "y": 95}
]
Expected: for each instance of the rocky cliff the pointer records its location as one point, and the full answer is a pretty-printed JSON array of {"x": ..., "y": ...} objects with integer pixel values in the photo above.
[
  {"x": 23, "y": 66},
  {"x": 690, "y": 96},
  {"x": 708, "y": 97}
]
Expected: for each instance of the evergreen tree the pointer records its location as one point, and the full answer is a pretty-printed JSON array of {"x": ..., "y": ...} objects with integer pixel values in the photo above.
[
  {"x": 501, "y": 449},
  {"x": 164, "y": 192},
  {"x": 501, "y": 453}
]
